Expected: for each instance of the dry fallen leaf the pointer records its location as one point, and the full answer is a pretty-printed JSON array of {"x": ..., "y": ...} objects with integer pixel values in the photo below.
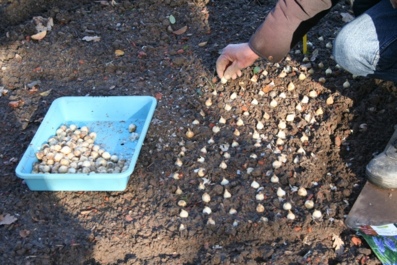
[
  {"x": 39, "y": 36},
  {"x": 158, "y": 95},
  {"x": 338, "y": 245},
  {"x": 269, "y": 87},
  {"x": 24, "y": 233},
  {"x": 7, "y": 219},
  {"x": 45, "y": 93},
  {"x": 356, "y": 241},
  {"x": 244, "y": 108},
  {"x": 16, "y": 103},
  {"x": 180, "y": 31},
  {"x": 33, "y": 90},
  {"x": 119, "y": 52},
  {"x": 128, "y": 218},
  {"x": 85, "y": 212},
  {"x": 92, "y": 38},
  {"x": 141, "y": 54},
  {"x": 202, "y": 44},
  {"x": 338, "y": 141}
]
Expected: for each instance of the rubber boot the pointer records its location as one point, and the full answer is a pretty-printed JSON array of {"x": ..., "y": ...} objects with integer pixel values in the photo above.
[{"x": 382, "y": 170}]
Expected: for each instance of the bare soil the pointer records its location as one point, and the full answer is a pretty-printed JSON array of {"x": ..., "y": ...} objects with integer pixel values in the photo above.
[{"x": 142, "y": 225}]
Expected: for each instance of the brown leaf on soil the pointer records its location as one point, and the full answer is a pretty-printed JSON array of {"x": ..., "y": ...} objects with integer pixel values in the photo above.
[
  {"x": 202, "y": 44},
  {"x": 24, "y": 233},
  {"x": 33, "y": 90},
  {"x": 244, "y": 108},
  {"x": 45, "y": 93},
  {"x": 356, "y": 241},
  {"x": 268, "y": 88},
  {"x": 38, "y": 69},
  {"x": 297, "y": 228},
  {"x": 180, "y": 31},
  {"x": 158, "y": 95},
  {"x": 39, "y": 36},
  {"x": 16, "y": 103},
  {"x": 338, "y": 141},
  {"x": 261, "y": 162},
  {"x": 338, "y": 244},
  {"x": 119, "y": 53},
  {"x": 128, "y": 218},
  {"x": 7, "y": 219},
  {"x": 13, "y": 104},
  {"x": 85, "y": 212},
  {"x": 141, "y": 54}
]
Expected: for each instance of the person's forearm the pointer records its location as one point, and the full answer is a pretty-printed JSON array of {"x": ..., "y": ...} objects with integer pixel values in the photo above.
[{"x": 285, "y": 25}]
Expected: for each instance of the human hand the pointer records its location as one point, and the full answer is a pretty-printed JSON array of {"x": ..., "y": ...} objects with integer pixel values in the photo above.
[{"x": 234, "y": 57}]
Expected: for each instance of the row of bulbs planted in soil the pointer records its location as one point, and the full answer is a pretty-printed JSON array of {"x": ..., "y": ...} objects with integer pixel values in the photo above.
[{"x": 302, "y": 109}]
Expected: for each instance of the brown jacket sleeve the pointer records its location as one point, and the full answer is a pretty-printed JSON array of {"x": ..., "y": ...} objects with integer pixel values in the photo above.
[{"x": 285, "y": 25}]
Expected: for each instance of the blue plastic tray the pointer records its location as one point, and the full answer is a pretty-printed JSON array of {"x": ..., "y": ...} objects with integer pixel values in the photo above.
[{"x": 109, "y": 118}]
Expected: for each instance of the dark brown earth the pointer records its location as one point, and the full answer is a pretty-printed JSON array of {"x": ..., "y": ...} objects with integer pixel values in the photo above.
[{"x": 141, "y": 225}]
